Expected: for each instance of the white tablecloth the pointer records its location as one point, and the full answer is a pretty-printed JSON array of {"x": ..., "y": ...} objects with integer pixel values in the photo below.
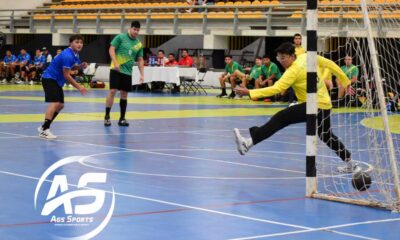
[{"x": 163, "y": 74}]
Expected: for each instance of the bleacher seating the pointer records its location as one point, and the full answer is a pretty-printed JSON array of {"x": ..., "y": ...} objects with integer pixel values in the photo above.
[{"x": 137, "y": 9}]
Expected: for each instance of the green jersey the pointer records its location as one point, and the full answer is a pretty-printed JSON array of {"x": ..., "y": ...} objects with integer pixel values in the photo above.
[
  {"x": 255, "y": 72},
  {"x": 127, "y": 50},
  {"x": 350, "y": 71},
  {"x": 231, "y": 68},
  {"x": 267, "y": 71}
]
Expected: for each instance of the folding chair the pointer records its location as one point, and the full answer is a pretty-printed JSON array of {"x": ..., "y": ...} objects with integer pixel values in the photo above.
[
  {"x": 89, "y": 73},
  {"x": 191, "y": 85}
]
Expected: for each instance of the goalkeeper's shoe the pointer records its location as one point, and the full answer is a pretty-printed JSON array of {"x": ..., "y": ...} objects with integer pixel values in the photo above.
[
  {"x": 243, "y": 144},
  {"x": 349, "y": 167}
]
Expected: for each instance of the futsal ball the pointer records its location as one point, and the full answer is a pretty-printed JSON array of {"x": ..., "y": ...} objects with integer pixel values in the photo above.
[{"x": 361, "y": 181}]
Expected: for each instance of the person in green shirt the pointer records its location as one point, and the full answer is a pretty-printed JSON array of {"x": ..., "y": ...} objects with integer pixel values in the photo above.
[
  {"x": 351, "y": 72},
  {"x": 270, "y": 73},
  {"x": 125, "y": 49},
  {"x": 255, "y": 73},
  {"x": 233, "y": 74}
]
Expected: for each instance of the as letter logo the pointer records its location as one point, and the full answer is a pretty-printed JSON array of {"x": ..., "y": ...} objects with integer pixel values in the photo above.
[{"x": 62, "y": 194}]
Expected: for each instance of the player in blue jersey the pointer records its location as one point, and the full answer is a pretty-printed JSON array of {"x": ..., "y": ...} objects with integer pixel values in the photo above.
[
  {"x": 36, "y": 67},
  {"x": 8, "y": 65},
  {"x": 54, "y": 78},
  {"x": 22, "y": 63}
]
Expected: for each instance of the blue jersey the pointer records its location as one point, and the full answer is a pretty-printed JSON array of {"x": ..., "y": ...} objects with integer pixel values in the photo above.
[
  {"x": 66, "y": 59},
  {"x": 39, "y": 60},
  {"x": 24, "y": 58},
  {"x": 10, "y": 59}
]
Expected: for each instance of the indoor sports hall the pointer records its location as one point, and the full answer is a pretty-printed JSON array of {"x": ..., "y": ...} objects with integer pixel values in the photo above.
[{"x": 175, "y": 172}]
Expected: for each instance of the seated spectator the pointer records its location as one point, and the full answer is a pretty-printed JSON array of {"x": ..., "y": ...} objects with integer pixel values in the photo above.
[
  {"x": 36, "y": 67},
  {"x": 8, "y": 66},
  {"x": 233, "y": 73},
  {"x": 190, "y": 3},
  {"x": 209, "y": 2},
  {"x": 270, "y": 73},
  {"x": 186, "y": 60},
  {"x": 22, "y": 64},
  {"x": 171, "y": 60},
  {"x": 255, "y": 73},
  {"x": 47, "y": 56},
  {"x": 162, "y": 60},
  {"x": 351, "y": 72}
]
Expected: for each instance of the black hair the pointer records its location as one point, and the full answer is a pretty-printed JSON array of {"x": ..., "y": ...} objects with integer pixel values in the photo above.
[
  {"x": 171, "y": 54},
  {"x": 297, "y": 35},
  {"x": 185, "y": 49},
  {"x": 228, "y": 56},
  {"x": 267, "y": 56},
  {"x": 285, "y": 48},
  {"x": 161, "y": 51},
  {"x": 135, "y": 24},
  {"x": 75, "y": 37},
  {"x": 259, "y": 57}
]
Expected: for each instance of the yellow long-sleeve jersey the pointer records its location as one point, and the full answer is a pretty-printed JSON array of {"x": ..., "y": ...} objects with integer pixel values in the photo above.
[{"x": 296, "y": 77}]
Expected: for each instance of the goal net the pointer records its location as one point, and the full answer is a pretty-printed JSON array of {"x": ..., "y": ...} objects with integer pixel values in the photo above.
[{"x": 368, "y": 123}]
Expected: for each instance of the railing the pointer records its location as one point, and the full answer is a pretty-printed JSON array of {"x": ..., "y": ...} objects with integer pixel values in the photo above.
[{"x": 265, "y": 15}]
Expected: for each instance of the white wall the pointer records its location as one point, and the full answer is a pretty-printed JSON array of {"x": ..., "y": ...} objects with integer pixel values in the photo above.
[
  {"x": 20, "y": 4},
  {"x": 180, "y": 42}
]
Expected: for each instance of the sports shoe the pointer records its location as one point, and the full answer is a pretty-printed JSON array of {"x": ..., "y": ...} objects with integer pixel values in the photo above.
[
  {"x": 47, "y": 134},
  {"x": 232, "y": 95},
  {"x": 30, "y": 82},
  {"x": 243, "y": 144},
  {"x": 4, "y": 81},
  {"x": 19, "y": 81},
  {"x": 237, "y": 97},
  {"x": 222, "y": 95},
  {"x": 292, "y": 104},
  {"x": 107, "y": 122},
  {"x": 349, "y": 167},
  {"x": 123, "y": 123}
]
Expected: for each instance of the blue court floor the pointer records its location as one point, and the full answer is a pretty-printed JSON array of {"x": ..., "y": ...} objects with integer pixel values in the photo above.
[{"x": 174, "y": 173}]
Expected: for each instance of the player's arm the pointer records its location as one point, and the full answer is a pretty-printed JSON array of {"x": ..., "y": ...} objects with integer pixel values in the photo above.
[
  {"x": 111, "y": 51},
  {"x": 68, "y": 77},
  {"x": 335, "y": 69},
  {"x": 287, "y": 80},
  {"x": 141, "y": 68}
]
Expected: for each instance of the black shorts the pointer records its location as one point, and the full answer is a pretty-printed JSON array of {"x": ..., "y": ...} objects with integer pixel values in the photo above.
[
  {"x": 25, "y": 69},
  {"x": 52, "y": 92},
  {"x": 120, "y": 81},
  {"x": 35, "y": 69}
]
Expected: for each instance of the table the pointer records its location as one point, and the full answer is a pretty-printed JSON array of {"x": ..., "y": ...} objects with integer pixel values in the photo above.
[{"x": 163, "y": 74}]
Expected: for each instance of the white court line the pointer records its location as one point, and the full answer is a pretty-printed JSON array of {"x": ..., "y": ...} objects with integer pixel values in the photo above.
[
  {"x": 171, "y": 203},
  {"x": 308, "y": 229},
  {"x": 174, "y": 155},
  {"x": 174, "y": 204},
  {"x": 320, "y": 229},
  {"x": 197, "y": 158}
]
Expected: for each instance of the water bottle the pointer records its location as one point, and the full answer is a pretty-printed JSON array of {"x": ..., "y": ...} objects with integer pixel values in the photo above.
[{"x": 151, "y": 62}]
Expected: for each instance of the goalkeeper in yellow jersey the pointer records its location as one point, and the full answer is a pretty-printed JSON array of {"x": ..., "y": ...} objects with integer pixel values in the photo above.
[{"x": 295, "y": 76}]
